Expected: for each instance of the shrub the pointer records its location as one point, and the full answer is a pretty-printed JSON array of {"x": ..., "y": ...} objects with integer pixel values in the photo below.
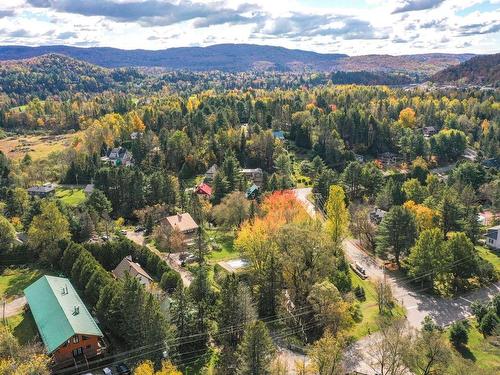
[
  {"x": 458, "y": 334},
  {"x": 488, "y": 323},
  {"x": 169, "y": 281},
  {"x": 495, "y": 304},
  {"x": 359, "y": 292},
  {"x": 479, "y": 310}
]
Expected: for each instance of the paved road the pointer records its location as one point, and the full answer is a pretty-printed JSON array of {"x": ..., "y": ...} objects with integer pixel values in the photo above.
[
  {"x": 172, "y": 259},
  {"x": 418, "y": 304},
  {"x": 14, "y": 307}
]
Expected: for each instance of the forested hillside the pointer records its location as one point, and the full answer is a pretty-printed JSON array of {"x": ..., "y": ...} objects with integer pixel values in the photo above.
[
  {"x": 480, "y": 70},
  {"x": 243, "y": 57},
  {"x": 55, "y": 74}
]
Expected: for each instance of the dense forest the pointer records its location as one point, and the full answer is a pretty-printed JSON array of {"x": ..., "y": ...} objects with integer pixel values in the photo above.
[
  {"x": 235, "y": 151},
  {"x": 480, "y": 70}
]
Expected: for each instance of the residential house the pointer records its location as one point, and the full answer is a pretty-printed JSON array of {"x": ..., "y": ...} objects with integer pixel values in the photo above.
[
  {"x": 43, "y": 191},
  {"x": 252, "y": 192},
  {"x": 135, "y": 135},
  {"x": 377, "y": 215},
  {"x": 210, "y": 174},
  {"x": 127, "y": 265},
  {"x": 493, "y": 163},
  {"x": 388, "y": 158},
  {"x": 118, "y": 156},
  {"x": 185, "y": 224},
  {"x": 429, "y": 131},
  {"x": 89, "y": 189},
  {"x": 204, "y": 190},
  {"x": 255, "y": 175},
  {"x": 66, "y": 327},
  {"x": 493, "y": 237}
]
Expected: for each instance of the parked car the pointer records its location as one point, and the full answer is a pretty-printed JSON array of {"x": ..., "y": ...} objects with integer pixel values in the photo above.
[
  {"x": 189, "y": 259},
  {"x": 123, "y": 231},
  {"x": 138, "y": 229},
  {"x": 107, "y": 371},
  {"x": 123, "y": 369}
]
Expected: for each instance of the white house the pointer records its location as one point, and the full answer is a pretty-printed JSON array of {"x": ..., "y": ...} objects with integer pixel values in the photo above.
[{"x": 493, "y": 237}]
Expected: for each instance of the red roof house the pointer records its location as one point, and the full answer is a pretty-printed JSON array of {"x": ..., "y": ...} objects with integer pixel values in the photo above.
[{"x": 204, "y": 189}]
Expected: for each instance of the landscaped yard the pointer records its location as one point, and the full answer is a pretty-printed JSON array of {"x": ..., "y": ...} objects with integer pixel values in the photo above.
[
  {"x": 23, "y": 327},
  {"x": 71, "y": 197},
  {"x": 479, "y": 349},
  {"x": 369, "y": 308},
  {"x": 14, "y": 280},
  {"x": 224, "y": 240},
  {"x": 491, "y": 256}
]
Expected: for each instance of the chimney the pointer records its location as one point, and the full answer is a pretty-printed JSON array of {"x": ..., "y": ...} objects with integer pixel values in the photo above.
[
  {"x": 76, "y": 310},
  {"x": 179, "y": 217},
  {"x": 64, "y": 290}
]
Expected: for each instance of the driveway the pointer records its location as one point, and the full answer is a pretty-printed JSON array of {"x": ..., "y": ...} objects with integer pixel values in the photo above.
[{"x": 171, "y": 259}]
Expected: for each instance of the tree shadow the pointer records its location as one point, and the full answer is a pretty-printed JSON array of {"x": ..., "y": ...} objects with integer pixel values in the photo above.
[
  {"x": 26, "y": 331},
  {"x": 17, "y": 284},
  {"x": 466, "y": 353}
]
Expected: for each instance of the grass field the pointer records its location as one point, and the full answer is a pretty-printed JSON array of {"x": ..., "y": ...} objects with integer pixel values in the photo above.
[
  {"x": 226, "y": 242},
  {"x": 479, "y": 349},
  {"x": 369, "y": 308},
  {"x": 23, "y": 327},
  {"x": 71, "y": 197},
  {"x": 491, "y": 256},
  {"x": 14, "y": 280},
  {"x": 38, "y": 146}
]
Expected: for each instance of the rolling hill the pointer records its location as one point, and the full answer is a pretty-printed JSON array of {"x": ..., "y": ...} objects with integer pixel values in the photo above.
[
  {"x": 480, "y": 70},
  {"x": 242, "y": 57},
  {"x": 53, "y": 74}
]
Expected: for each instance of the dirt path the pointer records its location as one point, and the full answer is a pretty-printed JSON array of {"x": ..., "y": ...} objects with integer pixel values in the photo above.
[{"x": 13, "y": 307}]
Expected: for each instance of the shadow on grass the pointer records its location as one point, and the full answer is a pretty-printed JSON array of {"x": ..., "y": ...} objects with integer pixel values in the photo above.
[
  {"x": 26, "y": 330},
  {"x": 466, "y": 353},
  {"x": 18, "y": 283}
]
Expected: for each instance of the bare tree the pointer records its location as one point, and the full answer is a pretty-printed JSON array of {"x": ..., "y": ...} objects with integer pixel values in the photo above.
[
  {"x": 388, "y": 351},
  {"x": 172, "y": 240},
  {"x": 362, "y": 228},
  {"x": 385, "y": 298}
]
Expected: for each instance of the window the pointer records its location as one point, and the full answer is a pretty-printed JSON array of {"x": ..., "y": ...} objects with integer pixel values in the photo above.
[
  {"x": 85, "y": 338},
  {"x": 76, "y": 339},
  {"x": 77, "y": 352}
]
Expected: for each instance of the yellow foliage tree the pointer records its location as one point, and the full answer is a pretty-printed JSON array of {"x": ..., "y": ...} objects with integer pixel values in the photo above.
[
  {"x": 147, "y": 368},
  {"x": 426, "y": 217},
  {"x": 407, "y": 118},
  {"x": 337, "y": 213}
]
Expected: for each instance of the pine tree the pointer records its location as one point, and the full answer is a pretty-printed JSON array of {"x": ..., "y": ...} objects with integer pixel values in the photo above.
[{"x": 256, "y": 351}]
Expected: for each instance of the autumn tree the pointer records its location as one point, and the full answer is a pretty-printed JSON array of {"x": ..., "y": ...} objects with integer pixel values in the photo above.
[
  {"x": 407, "y": 118},
  {"x": 233, "y": 210},
  {"x": 7, "y": 234},
  {"x": 327, "y": 354},
  {"x": 46, "y": 230},
  {"x": 337, "y": 214}
]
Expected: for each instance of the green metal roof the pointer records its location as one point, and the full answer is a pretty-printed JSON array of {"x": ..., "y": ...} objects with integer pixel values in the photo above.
[{"x": 52, "y": 302}]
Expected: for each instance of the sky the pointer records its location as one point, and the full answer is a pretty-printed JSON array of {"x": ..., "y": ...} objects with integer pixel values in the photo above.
[{"x": 354, "y": 27}]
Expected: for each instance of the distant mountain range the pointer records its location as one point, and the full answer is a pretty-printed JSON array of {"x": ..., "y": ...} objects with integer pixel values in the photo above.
[
  {"x": 480, "y": 70},
  {"x": 243, "y": 57}
]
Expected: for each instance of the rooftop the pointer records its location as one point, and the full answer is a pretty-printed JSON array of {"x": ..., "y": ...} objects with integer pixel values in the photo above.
[
  {"x": 133, "y": 268},
  {"x": 183, "y": 222},
  {"x": 58, "y": 311}
]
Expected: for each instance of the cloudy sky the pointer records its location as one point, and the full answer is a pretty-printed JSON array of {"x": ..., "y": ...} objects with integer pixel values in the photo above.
[{"x": 355, "y": 27}]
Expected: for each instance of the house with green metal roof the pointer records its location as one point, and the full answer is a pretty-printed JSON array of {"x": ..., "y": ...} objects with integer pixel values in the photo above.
[
  {"x": 66, "y": 327},
  {"x": 252, "y": 192}
]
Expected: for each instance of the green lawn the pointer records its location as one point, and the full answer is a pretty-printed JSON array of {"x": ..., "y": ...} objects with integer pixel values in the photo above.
[
  {"x": 14, "y": 280},
  {"x": 479, "y": 349},
  {"x": 71, "y": 197},
  {"x": 492, "y": 256},
  {"x": 225, "y": 240},
  {"x": 23, "y": 327},
  {"x": 369, "y": 308}
]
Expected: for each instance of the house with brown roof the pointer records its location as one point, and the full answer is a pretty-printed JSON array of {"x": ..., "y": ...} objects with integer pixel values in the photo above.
[
  {"x": 185, "y": 224},
  {"x": 127, "y": 265}
]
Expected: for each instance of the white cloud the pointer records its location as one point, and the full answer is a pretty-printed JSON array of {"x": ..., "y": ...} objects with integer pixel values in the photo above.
[{"x": 158, "y": 24}]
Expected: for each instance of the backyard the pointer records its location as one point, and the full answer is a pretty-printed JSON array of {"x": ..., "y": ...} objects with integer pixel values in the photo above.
[
  {"x": 369, "y": 308},
  {"x": 224, "y": 245},
  {"x": 479, "y": 349},
  {"x": 14, "y": 280},
  {"x": 70, "y": 197},
  {"x": 492, "y": 256}
]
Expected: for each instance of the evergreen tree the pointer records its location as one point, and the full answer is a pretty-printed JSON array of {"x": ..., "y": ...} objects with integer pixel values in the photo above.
[
  {"x": 256, "y": 351},
  {"x": 396, "y": 233}
]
